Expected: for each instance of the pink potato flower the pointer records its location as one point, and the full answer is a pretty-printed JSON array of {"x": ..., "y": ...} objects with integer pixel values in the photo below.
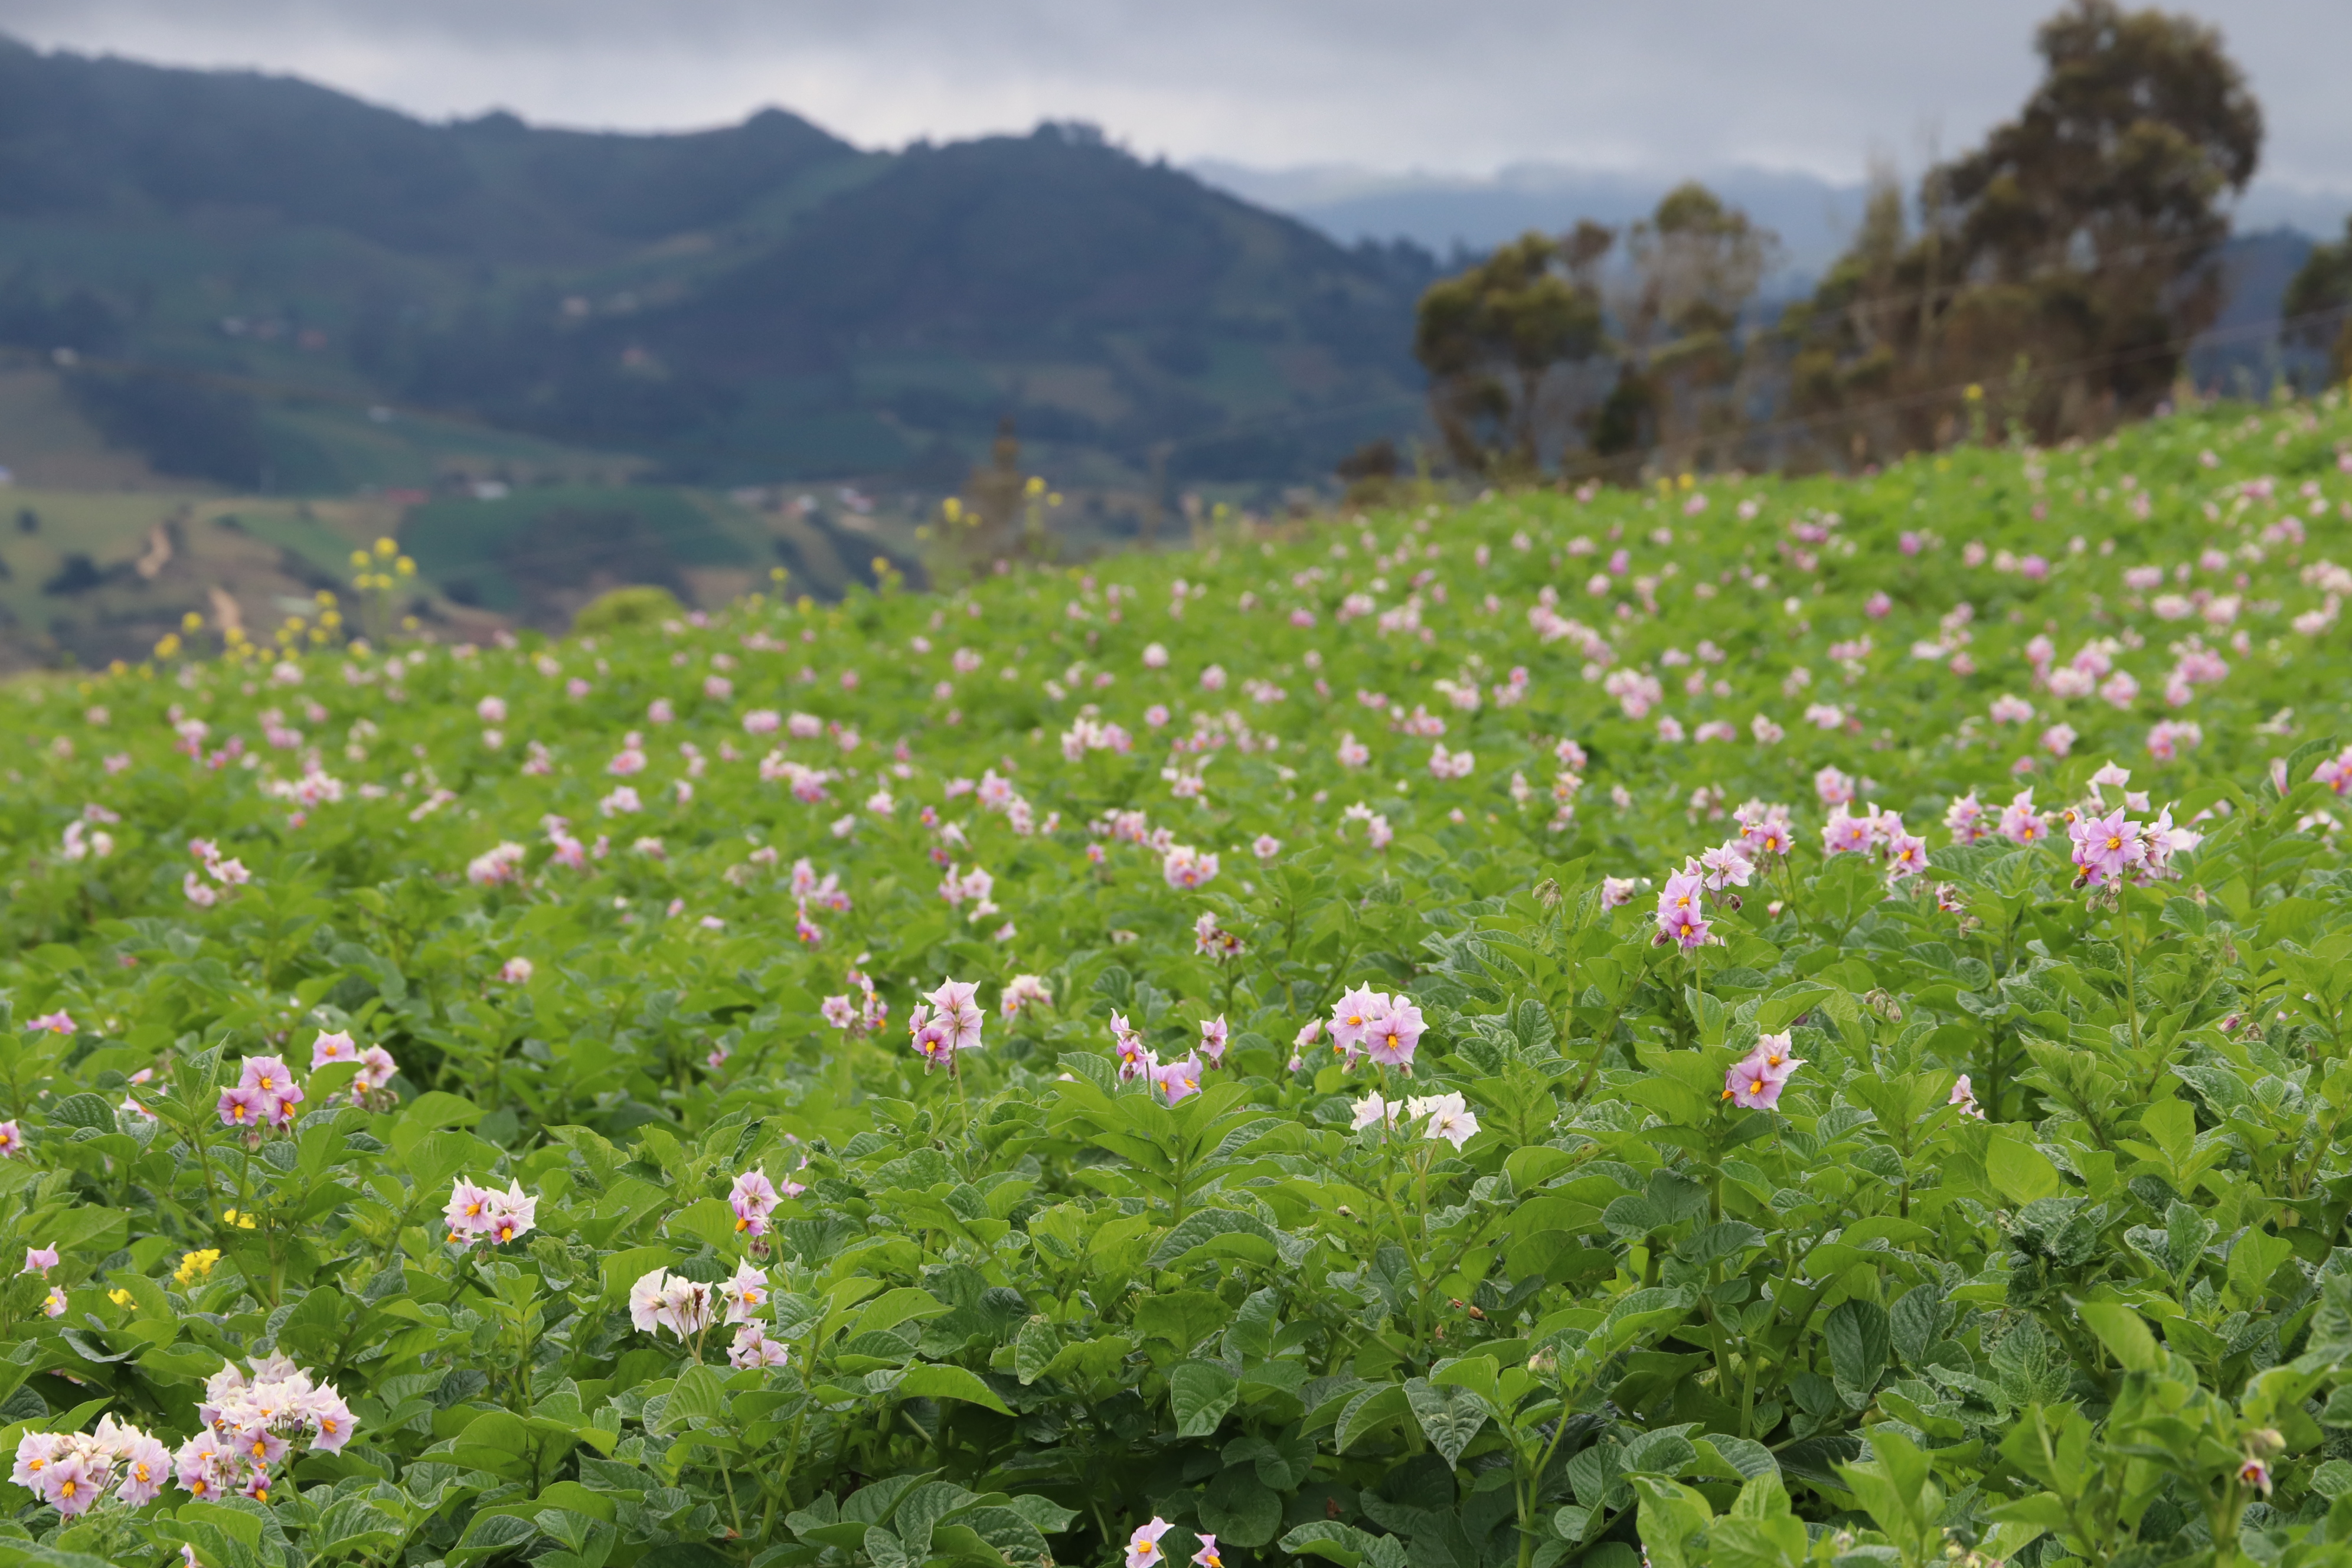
[
  {"x": 334, "y": 1048},
  {"x": 1179, "y": 1080},
  {"x": 754, "y": 1198},
  {"x": 2106, "y": 848},
  {"x": 1143, "y": 1546},
  {"x": 1756, "y": 1080},
  {"x": 1680, "y": 912},
  {"x": 1395, "y": 1033}
]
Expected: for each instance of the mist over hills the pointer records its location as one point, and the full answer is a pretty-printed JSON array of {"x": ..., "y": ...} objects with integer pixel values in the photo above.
[
  {"x": 1815, "y": 217},
  {"x": 265, "y": 278}
]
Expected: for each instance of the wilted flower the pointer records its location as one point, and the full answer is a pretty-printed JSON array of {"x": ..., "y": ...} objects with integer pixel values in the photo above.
[
  {"x": 660, "y": 1299},
  {"x": 746, "y": 1293},
  {"x": 1965, "y": 1097}
]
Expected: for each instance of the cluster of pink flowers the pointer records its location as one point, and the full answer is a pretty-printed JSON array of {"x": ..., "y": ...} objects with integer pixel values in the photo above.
[
  {"x": 1756, "y": 1080},
  {"x": 1178, "y": 1080},
  {"x": 376, "y": 1066},
  {"x": 807, "y": 784},
  {"x": 223, "y": 871},
  {"x": 1445, "y": 765},
  {"x": 870, "y": 1012},
  {"x": 1875, "y": 832},
  {"x": 497, "y": 867},
  {"x": 475, "y": 1213},
  {"x": 264, "y": 1095},
  {"x": 80, "y": 842},
  {"x": 946, "y": 1021},
  {"x": 1023, "y": 991},
  {"x": 1143, "y": 1547},
  {"x": 1185, "y": 867},
  {"x": 1445, "y": 1117},
  {"x": 254, "y": 1426},
  {"x": 1764, "y": 829},
  {"x": 825, "y": 893},
  {"x": 72, "y": 1471},
  {"x": 687, "y": 1307},
  {"x": 2169, "y": 737},
  {"x": 2114, "y": 848},
  {"x": 1385, "y": 1030},
  {"x": 1212, "y": 940},
  {"x": 1682, "y": 910}
]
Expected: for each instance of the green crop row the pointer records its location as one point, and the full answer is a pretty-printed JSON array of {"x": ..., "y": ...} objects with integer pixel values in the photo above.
[{"x": 1753, "y": 1023}]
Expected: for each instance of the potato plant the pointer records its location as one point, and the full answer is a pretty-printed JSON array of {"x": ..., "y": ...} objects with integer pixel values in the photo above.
[{"x": 1750, "y": 1023}]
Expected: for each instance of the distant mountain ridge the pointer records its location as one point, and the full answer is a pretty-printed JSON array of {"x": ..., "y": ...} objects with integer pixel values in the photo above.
[
  {"x": 755, "y": 303},
  {"x": 1815, "y": 217}
]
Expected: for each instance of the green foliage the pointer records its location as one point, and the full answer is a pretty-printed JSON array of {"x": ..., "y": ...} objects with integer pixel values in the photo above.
[
  {"x": 1556, "y": 1300},
  {"x": 620, "y": 609}
]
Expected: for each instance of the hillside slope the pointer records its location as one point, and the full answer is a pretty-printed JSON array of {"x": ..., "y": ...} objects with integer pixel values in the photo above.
[{"x": 758, "y": 302}]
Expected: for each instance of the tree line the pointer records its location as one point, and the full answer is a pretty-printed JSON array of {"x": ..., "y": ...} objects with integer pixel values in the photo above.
[{"x": 2049, "y": 282}]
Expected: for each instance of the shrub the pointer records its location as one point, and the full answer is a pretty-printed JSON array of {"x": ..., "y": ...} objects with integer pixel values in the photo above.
[{"x": 623, "y": 608}]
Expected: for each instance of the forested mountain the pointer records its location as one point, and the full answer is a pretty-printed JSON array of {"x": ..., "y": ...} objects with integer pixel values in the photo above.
[{"x": 257, "y": 276}]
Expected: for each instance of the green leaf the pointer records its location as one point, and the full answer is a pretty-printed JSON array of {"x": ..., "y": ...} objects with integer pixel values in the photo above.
[
  {"x": 1671, "y": 1516},
  {"x": 1326, "y": 1539},
  {"x": 1182, "y": 1318},
  {"x": 1226, "y": 1232},
  {"x": 893, "y": 1307},
  {"x": 1450, "y": 1414},
  {"x": 490, "y": 1535},
  {"x": 1200, "y": 1393},
  {"x": 2022, "y": 1172},
  {"x": 2125, "y": 1335},
  {"x": 698, "y": 1394},
  {"x": 934, "y": 1379},
  {"x": 1858, "y": 1336},
  {"x": 1368, "y": 1412},
  {"x": 1239, "y": 1508}
]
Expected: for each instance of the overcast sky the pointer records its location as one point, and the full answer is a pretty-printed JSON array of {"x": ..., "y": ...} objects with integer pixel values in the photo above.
[{"x": 1444, "y": 86}]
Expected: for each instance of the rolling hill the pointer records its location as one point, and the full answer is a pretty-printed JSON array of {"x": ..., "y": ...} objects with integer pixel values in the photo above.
[{"x": 264, "y": 284}]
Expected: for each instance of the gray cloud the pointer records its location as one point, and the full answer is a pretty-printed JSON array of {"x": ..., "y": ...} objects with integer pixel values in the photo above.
[{"x": 1453, "y": 86}]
